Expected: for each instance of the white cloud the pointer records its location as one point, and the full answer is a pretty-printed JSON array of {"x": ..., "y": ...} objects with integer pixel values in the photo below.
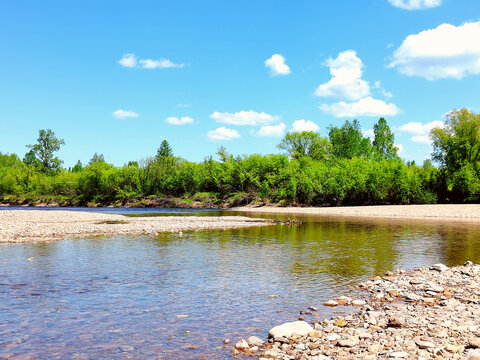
[
  {"x": 399, "y": 148},
  {"x": 346, "y": 82},
  {"x": 123, "y": 114},
  {"x": 447, "y": 51},
  {"x": 179, "y": 121},
  {"x": 277, "y": 65},
  {"x": 160, "y": 64},
  {"x": 128, "y": 60},
  {"x": 420, "y": 129},
  {"x": 244, "y": 118},
  {"x": 378, "y": 85},
  {"x": 415, "y": 4},
  {"x": 223, "y": 133},
  {"x": 271, "y": 130},
  {"x": 304, "y": 125},
  {"x": 368, "y": 133},
  {"x": 181, "y": 105},
  {"x": 364, "y": 107}
]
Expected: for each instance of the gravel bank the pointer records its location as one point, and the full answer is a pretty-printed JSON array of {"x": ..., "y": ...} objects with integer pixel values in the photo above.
[
  {"x": 428, "y": 313},
  {"x": 457, "y": 212},
  {"x": 40, "y": 225}
]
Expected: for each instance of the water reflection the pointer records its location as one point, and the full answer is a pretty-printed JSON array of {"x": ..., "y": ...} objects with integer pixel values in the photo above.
[{"x": 121, "y": 297}]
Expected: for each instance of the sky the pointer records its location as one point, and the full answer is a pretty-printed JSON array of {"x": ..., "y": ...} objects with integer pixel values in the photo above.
[{"x": 118, "y": 77}]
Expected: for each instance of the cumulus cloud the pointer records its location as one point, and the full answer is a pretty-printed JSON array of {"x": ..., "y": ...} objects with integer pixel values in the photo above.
[
  {"x": 346, "y": 82},
  {"x": 421, "y": 132},
  {"x": 271, "y": 130},
  {"x": 415, "y": 4},
  {"x": 131, "y": 61},
  {"x": 420, "y": 129},
  {"x": 222, "y": 134},
  {"x": 447, "y": 51},
  {"x": 399, "y": 148},
  {"x": 277, "y": 65},
  {"x": 363, "y": 107},
  {"x": 304, "y": 125},
  {"x": 244, "y": 118},
  {"x": 159, "y": 64},
  {"x": 123, "y": 114},
  {"x": 179, "y": 121},
  {"x": 128, "y": 60}
]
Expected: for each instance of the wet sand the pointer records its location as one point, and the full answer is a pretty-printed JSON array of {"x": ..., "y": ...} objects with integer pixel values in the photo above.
[
  {"x": 17, "y": 226},
  {"x": 456, "y": 212}
]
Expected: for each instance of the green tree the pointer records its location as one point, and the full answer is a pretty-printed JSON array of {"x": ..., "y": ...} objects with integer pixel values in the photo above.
[
  {"x": 383, "y": 143},
  {"x": 78, "y": 167},
  {"x": 348, "y": 141},
  {"x": 45, "y": 148},
  {"x": 96, "y": 158},
  {"x": 164, "y": 151},
  {"x": 305, "y": 143}
]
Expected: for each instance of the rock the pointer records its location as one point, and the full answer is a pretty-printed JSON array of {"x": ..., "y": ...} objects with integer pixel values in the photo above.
[
  {"x": 340, "y": 322},
  {"x": 300, "y": 328},
  {"x": 254, "y": 341},
  {"x": 358, "y": 302},
  {"x": 424, "y": 343},
  {"x": 394, "y": 322},
  {"x": 126, "y": 348},
  {"x": 473, "y": 354},
  {"x": 451, "y": 348},
  {"x": 399, "y": 355},
  {"x": 394, "y": 293},
  {"x": 439, "y": 267},
  {"x": 271, "y": 354},
  {"x": 331, "y": 303},
  {"x": 365, "y": 335},
  {"x": 374, "y": 348},
  {"x": 227, "y": 341},
  {"x": 242, "y": 345},
  {"x": 313, "y": 308},
  {"x": 474, "y": 342},
  {"x": 333, "y": 337},
  {"x": 347, "y": 343},
  {"x": 468, "y": 263}
]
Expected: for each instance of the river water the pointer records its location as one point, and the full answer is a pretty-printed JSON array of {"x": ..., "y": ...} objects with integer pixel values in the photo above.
[{"x": 179, "y": 297}]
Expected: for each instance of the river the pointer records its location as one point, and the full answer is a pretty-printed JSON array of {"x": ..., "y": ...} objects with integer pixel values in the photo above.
[{"x": 180, "y": 296}]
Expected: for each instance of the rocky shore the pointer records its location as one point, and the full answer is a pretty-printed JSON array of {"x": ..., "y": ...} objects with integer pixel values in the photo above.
[
  {"x": 427, "y": 313},
  {"x": 18, "y": 226},
  {"x": 439, "y": 212}
]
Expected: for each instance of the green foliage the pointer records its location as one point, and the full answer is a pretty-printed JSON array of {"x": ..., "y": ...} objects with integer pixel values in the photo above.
[
  {"x": 47, "y": 144},
  {"x": 383, "y": 144},
  {"x": 164, "y": 151},
  {"x": 348, "y": 141},
  {"x": 305, "y": 143}
]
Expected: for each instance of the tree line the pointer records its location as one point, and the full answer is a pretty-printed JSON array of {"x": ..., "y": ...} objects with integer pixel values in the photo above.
[{"x": 345, "y": 168}]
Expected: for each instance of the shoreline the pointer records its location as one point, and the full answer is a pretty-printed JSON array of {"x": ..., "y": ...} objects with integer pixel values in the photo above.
[
  {"x": 24, "y": 226},
  {"x": 425, "y": 313},
  {"x": 437, "y": 212}
]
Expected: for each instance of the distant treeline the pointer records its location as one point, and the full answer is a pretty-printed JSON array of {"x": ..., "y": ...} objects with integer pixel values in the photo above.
[{"x": 344, "y": 169}]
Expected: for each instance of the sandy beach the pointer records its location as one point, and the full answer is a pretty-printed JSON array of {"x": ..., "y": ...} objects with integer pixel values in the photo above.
[
  {"x": 18, "y": 226},
  {"x": 456, "y": 212}
]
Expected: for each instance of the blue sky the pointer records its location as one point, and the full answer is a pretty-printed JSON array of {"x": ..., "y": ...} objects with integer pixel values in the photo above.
[{"x": 118, "y": 77}]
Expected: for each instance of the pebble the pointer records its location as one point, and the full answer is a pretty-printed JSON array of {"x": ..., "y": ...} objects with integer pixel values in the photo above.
[{"x": 412, "y": 318}]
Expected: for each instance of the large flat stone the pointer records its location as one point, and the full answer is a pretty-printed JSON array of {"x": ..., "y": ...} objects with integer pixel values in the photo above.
[{"x": 298, "y": 328}]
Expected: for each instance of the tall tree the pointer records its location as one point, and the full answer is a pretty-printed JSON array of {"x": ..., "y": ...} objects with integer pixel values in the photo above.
[
  {"x": 45, "y": 148},
  {"x": 348, "y": 141},
  {"x": 383, "y": 143},
  {"x": 305, "y": 143},
  {"x": 164, "y": 151},
  {"x": 97, "y": 158}
]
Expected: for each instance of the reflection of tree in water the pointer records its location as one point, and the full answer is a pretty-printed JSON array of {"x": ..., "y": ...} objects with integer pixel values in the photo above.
[
  {"x": 344, "y": 251},
  {"x": 462, "y": 243}
]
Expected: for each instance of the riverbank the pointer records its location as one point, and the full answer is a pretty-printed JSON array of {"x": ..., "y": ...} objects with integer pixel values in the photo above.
[
  {"x": 17, "y": 226},
  {"x": 457, "y": 212},
  {"x": 428, "y": 313}
]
